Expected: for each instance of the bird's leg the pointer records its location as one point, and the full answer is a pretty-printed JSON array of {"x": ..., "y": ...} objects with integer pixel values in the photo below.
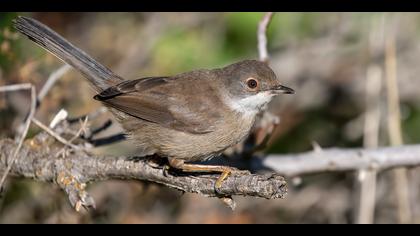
[{"x": 225, "y": 170}]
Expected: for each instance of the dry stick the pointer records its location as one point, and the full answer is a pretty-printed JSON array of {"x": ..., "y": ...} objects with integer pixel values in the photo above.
[
  {"x": 52, "y": 79},
  {"x": 394, "y": 129},
  {"x": 83, "y": 127},
  {"x": 340, "y": 159},
  {"x": 262, "y": 36},
  {"x": 54, "y": 134},
  {"x": 366, "y": 177},
  {"x": 15, "y": 87},
  {"x": 26, "y": 128}
]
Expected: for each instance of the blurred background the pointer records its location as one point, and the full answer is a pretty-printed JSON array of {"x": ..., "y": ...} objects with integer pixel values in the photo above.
[{"x": 326, "y": 57}]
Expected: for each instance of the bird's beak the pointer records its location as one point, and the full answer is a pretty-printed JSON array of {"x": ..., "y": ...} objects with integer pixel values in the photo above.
[{"x": 283, "y": 89}]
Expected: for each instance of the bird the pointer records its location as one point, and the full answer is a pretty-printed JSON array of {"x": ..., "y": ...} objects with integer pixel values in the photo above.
[{"x": 188, "y": 117}]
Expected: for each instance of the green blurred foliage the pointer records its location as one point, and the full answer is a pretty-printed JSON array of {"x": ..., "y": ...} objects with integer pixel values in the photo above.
[
  {"x": 411, "y": 124},
  {"x": 18, "y": 51},
  {"x": 5, "y": 25},
  {"x": 179, "y": 50}
]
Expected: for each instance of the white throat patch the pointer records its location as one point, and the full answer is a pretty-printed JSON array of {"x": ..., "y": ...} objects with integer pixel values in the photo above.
[{"x": 251, "y": 105}]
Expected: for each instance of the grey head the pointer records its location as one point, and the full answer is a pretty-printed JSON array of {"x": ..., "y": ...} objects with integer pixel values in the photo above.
[{"x": 250, "y": 85}]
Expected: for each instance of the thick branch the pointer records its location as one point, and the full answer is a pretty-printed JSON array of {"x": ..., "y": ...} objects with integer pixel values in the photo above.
[
  {"x": 72, "y": 172},
  {"x": 336, "y": 159}
]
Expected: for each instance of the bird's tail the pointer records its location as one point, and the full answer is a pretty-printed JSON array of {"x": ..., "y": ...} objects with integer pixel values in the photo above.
[{"x": 97, "y": 74}]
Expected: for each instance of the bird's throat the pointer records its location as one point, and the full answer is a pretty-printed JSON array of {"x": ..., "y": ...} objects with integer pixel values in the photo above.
[{"x": 251, "y": 105}]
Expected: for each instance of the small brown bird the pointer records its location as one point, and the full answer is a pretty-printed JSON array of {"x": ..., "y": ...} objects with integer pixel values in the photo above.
[{"x": 188, "y": 117}]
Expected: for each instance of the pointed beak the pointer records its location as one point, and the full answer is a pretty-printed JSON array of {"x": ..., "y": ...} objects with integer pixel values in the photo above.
[{"x": 283, "y": 89}]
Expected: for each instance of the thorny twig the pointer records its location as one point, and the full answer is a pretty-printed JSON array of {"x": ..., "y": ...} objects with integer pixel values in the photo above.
[{"x": 339, "y": 159}]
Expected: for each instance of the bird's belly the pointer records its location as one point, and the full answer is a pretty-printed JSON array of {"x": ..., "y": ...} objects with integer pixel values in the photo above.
[
  {"x": 193, "y": 147},
  {"x": 165, "y": 142}
]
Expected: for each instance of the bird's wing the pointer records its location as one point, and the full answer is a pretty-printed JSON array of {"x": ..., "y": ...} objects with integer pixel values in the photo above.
[{"x": 165, "y": 101}]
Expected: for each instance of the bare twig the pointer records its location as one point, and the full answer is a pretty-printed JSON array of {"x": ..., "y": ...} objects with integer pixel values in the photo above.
[
  {"x": 82, "y": 129},
  {"x": 26, "y": 127},
  {"x": 366, "y": 177},
  {"x": 54, "y": 134},
  {"x": 15, "y": 87},
  {"x": 52, "y": 79},
  {"x": 394, "y": 129},
  {"x": 262, "y": 36},
  {"x": 337, "y": 159}
]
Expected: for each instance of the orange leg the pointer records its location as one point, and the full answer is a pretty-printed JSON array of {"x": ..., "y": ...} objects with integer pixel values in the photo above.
[{"x": 225, "y": 170}]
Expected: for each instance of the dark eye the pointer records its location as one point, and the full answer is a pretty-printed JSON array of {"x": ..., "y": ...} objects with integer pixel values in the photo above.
[{"x": 252, "y": 83}]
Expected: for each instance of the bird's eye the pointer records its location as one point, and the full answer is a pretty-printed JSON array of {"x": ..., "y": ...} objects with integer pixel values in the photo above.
[{"x": 252, "y": 83}]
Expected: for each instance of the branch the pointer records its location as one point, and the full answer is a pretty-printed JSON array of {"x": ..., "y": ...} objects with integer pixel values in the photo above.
[
  {"x": 76, "y": 169},
  {"x": 337, "y": 159},
  {"x": 52, "y": 79},
  {"x": 262, "y": 36}
]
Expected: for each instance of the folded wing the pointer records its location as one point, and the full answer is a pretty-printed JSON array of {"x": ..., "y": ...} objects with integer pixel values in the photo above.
[{"x": 165, "y": 101}]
